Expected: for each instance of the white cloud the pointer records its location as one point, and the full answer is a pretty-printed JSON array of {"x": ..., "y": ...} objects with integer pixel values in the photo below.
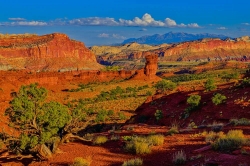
[
  {"x": 103, "y": 35},
  {"x": 245, "y": 23},
  {"x": 29, "y": 23},
  {"x": 117, "y": 36},
  {"x": 222, "y": 28},
  {"x": 193, "y": 25},
  {"x": 17, "y": 19},
  {"x": 93, "y": 21},
  {"x": 170, "y": 22},
  {"x": 143, "y": 29},
  {"x": 148, "y": 20},
  {"x": 144, "y": 21}
]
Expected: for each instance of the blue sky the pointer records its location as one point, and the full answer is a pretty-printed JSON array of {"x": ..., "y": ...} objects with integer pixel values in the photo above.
[{"x": 103, "y": 22}]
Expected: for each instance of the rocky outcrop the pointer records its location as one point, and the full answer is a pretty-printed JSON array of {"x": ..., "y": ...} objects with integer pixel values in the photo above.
[
  {"x": 149, "y": 71},
  {"x": 22, "y": 77},
  {"x": 151, "y": 66},
  {"x": 53, "y": 52},
  {"x": 131, "y": 51},
  {"x": 207, "y": 49}
]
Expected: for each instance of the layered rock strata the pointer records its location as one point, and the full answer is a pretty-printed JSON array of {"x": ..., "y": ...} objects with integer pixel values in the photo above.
[{"x": 53, "y": 52}]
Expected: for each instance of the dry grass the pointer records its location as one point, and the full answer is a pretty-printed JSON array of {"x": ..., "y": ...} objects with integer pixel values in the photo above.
[
  {"x": 179, "y": 158},
  {"x": 156, "y": 139},
  {"x": 79, "y": 161},
  {"x": 234, "y": 139},
  {"x": 133, "y": 162},
  {"x": 100, "y": 140}
]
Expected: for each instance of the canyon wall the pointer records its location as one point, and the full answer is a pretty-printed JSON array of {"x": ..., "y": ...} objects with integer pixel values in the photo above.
[
  {"x": 207, "y": 49},
  {"x": 53, "y": 52}
]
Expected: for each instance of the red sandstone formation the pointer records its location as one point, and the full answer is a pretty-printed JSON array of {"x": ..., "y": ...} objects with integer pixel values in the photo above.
[
  {"x": 203, "y": 50},
  {"x": 51, "y": 52},
  {"x": 151, "y": 66},
  {"x": 208, "y": 50},
  {"x": 149, "y": 71}
]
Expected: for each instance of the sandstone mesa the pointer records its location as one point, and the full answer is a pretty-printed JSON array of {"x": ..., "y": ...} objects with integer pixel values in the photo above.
[{"x": 52, "y": 52}]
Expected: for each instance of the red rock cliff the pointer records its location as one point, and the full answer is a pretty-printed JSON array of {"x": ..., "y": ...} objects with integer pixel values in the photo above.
[
  {"x": 51, "y": 52},
  {"x": 208, "y": 50},
  {"x": 151, "y": 65}
]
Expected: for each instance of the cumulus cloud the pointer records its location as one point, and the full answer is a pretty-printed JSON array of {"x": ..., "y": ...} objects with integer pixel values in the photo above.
[
  {"x": 222, "y": 28},
  {"x": 103, "y": 35},
  {"x": 148, "y": 20},
  {"x": 169, "y": 22},
  {"x": 17, "y": 19},
  {"x": 144, "y": 21}
]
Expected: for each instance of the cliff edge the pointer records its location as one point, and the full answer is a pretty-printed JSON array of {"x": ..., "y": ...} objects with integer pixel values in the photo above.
[{"x": 52, "y": 52}]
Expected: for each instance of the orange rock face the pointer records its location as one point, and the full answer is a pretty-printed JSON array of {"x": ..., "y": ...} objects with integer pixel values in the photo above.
[
  {"x": 203, "y": 50},
  {"x": 151, "y": 65},
  {"x": 149, "y": 71},
  {"x": 208, "y": 50},
  {"x": 51, "y": 52}
]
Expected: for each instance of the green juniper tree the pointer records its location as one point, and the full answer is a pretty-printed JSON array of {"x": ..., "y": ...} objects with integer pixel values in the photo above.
[{"x": 40, "y": 123}]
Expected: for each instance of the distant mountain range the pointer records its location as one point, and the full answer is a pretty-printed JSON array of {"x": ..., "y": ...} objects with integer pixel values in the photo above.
[{"x": 171, "y": 37}]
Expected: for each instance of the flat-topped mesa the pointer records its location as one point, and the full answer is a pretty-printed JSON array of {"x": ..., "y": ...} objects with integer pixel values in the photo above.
[
  {"x": 208, "y": 50},
  {"x": 52, "y": 52},
  {"x": 151, "y": 65}
]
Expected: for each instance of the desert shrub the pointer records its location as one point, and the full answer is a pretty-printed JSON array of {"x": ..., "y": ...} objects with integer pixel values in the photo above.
[
  {"x": 79, "y": 161},
  {"x": 156, "y": 139},
  {"x": 189, "y": 77},
  {"x": 233, "y": 140},
  {"x": 229, "y": 76},
  {"x": 164, "y": 85},
  {"x": 213, "y": 136},
  {"x": 210, "y": 85},
  {"x": 100, "y": 140},
  {"x": 111, "y": 68},
  {"x": 142, "y": 145},
  {"x": 158, "y": 115},
  {"x": 122, "y": 116},
  {"x": 110, "y": 113},
  {"x": 127, "y": 138},
  {"x": 245, "y": 82},
  {"x": 174, "y": 129},
  {"x": 194, "y": 102},
  {"x": 142, "y": 87},
  {"x": 179, "y": 158},
  {"x": 102, "y": 116},
  {"x": 133, "y": 162},
  {"x": 149, "y": 93},
  {"x": 242, "y": 121},
  {"x": 218, "y": 98}
]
